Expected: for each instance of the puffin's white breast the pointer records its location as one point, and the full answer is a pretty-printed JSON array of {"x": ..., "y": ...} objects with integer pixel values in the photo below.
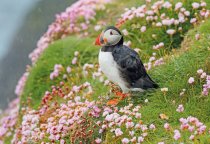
[{"x": 110, "y": 68}]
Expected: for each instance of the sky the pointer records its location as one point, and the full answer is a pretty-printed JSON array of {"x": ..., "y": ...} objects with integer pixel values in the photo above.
[{"x": 12, "y": 14}]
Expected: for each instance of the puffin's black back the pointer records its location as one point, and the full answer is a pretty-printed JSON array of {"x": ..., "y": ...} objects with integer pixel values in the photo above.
[{"x": 131, "y": 68}]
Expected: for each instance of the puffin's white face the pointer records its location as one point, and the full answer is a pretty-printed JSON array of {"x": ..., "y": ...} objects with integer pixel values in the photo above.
[{"x": 108, "y": 38}]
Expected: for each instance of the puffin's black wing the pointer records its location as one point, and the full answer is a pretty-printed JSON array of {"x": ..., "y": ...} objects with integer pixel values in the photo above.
[{"x": 132, "y": 69}]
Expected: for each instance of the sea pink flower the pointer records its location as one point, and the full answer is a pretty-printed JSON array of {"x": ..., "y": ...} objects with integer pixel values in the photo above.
[
  {"x": 203, "y": 75},
  {"x": 191, "y": 80},
  {"x": 125, "y": 140},
  {"x": 180, "y": 108},
  {"x": 62, "y": 141},
  {"x": 195, "y": 5},
  {"x": 197, "y": 36},
  {"x": 191, "y": 137},
  {"x": 167, "y": 22},
  {"x": 133, "y": 140},
  {"x": 200, "y": 71},
  {"x": 178, "y": 5},
  {"x": 131, "y": 133},
  {"x": 74, "y": 60},
  {"x": 118, "y": 132},
  {"x": 203, "y": 4},
  {"x": 140, "y": 139},
  {"x": 138, "y": 115},
  {"x": 193, "y": 20},
  {"x": 187, "y": 13},
  {"x": 152, "y": 127},
  {"x": 158, "y": 24},
  {"x": 171, "y": 31},
  {"x": 21, "y": 84},
  {"x": 191, "y": 128},
  {"x": 97, "y": 27},
  {"x": 125, "y": 32},
  {"x": 161, "y": 143},
  {"x": 129, "y": 124},
  {"x": 167, "y": 126},
  {"x": 177, "y": 134},
  {"x": 167, "y": 5},
  {"x": 98, "y": 140},
  {"x": 143, "y": 28},
  {"x": 68, "y": 69},
  {"x": 128, "y": 43}
]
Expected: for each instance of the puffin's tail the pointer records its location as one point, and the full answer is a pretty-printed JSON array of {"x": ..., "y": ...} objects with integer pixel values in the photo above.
[{"x": 145, "y": 83}]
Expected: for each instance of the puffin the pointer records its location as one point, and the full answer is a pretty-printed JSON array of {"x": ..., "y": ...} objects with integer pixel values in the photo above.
[{"x": 121, "y": 64}]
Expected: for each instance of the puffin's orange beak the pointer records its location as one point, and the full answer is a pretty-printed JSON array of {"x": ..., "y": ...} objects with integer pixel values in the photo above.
[{"x": 97, "y": 42}]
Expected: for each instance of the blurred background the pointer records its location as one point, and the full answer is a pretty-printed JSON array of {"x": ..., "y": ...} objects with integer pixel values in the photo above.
[{"x": 22, "y": 23}]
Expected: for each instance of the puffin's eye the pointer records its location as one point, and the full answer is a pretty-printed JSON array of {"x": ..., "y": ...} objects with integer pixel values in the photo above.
[{"x": 111, "y": 33}]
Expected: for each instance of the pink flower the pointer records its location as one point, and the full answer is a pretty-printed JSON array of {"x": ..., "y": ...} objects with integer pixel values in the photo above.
[
  {"x": 118, "y": 132},
  {"x": 191, "y": 137},
  {"x": 167, "y": 126},
  {"x": 200, "y": 71},
  {"x": 97, "y": 27},
  {"x": 180, "y": 108},
  {"x": 203, "y": 75},
  {"x": 74, "y": 60},
  {"x": 143, "y": 28},
  {"x": 21, "y": 84},
  {"x": 125, "y": 32},
  {"x": 171, "y": 31},
  {"x": 178, "y": 5},
  {"x": 203, "y": 4},
  {"x": 140, "y": 139},
  {"x": 125, "y": 140},
  {"x": 138, "y": 115},
  {"x": 197, "y": 36},
  {"x": 191, "y": 128},
  {"x": 193, "y": 20},
  {"x": 68, "y": 69},
  {"x": 62, "y": 141},
  {"x": 161, "y": 143},
  {"x": 152, "y": 127},
  {"x": 129, "y": 124},
  {"x": 158, "y": 24},
  {"x": 191, "y": 80},
  {"x": 98, "y": 140},
  {"x": 177, "y": 134},
  {"x": 128, "y": 43},
  {"x": 167, "y": 5},
  {"x": 133, "y": 140},
  {"x": 195, "y": 5}
]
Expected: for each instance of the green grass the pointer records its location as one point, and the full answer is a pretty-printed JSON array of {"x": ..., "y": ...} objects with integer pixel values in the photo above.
[{"x": 60, "y": 52}]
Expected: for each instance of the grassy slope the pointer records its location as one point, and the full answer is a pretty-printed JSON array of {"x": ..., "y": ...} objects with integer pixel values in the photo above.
[
  {"x": 174, "y": 75},
  {"x": 61, "y": 52}
]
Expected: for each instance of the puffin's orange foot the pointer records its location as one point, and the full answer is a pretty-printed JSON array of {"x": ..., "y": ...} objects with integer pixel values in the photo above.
[
  {"x": 113, "y": 102},
  {"x": 122, "y": 95}
]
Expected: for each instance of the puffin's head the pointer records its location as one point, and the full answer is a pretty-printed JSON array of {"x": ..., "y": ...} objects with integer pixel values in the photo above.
[{"x": 111, "y": 36}]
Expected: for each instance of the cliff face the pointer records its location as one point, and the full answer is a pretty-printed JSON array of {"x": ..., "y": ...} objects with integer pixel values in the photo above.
[{"x": 12, "y": 66}]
